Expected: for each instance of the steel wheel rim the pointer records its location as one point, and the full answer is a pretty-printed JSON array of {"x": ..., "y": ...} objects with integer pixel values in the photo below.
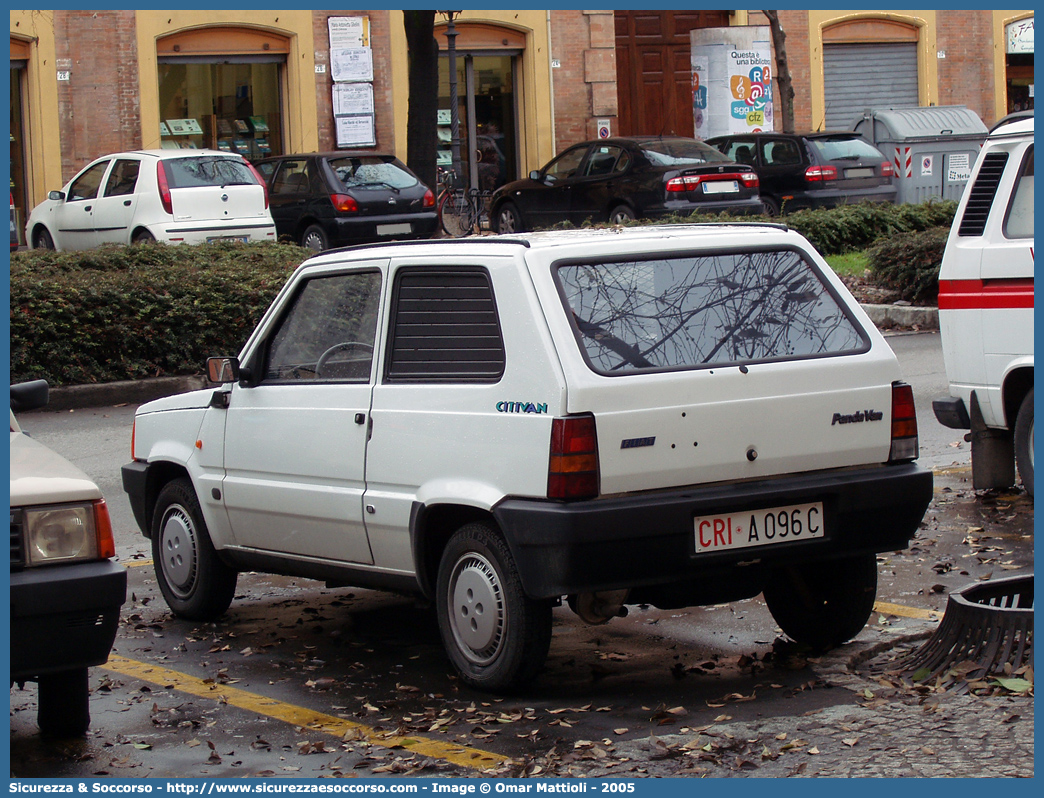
[
  {"x": 476, "y": 609},
  {"x": 178, "y": 551}
]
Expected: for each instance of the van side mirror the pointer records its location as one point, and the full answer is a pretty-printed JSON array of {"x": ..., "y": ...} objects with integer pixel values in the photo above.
[
  {"x": 223, "y": 369},
  {"x": 29, "y": 396},
  {"x": 55, "y": 195}
]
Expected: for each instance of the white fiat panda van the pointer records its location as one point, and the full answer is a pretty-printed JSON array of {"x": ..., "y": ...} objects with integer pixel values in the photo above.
[{"x": 986, "y": 310}]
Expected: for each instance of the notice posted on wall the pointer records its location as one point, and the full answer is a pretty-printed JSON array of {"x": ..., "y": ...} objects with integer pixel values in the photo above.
[
  {"x": 355, "y": 131},
  {"x": 351, "y": 64},
  {"x": 352, "y": 98},
  {"x": 348, "y": 32}
]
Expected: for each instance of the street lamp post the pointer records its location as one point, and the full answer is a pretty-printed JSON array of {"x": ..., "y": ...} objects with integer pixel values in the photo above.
[{"x": 451, "y": 49}]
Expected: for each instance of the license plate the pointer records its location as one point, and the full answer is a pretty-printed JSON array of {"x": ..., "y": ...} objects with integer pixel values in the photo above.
[
  {"x": 765, "y": 527},
  {"x": 859, "y": 172},
  {"x": 720, "y": 187},
  {"x": 394, "y": 229},
  {"x": 240, "y": 239}
]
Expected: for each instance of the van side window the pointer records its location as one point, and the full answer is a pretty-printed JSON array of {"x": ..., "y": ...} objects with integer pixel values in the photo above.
[
  {"x": 444, "y": 327},
  {"x": 1019, "y": 221}
]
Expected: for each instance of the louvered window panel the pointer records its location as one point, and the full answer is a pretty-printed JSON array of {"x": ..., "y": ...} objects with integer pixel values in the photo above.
[
  {"x": 445, "y": 328},
  {"x": 982, "y": 192},
  {"x": 17, "y": 547}
]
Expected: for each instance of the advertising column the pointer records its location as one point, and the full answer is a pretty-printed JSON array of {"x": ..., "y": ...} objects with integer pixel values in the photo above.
[{"x": 731, "y": 80}]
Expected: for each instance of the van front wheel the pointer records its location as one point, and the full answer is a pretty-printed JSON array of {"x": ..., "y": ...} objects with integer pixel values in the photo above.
[{"x": 1024, "y": 442}]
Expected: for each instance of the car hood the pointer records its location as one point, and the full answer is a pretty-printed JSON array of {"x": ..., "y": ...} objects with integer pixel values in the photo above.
[{"x": 41, "y": 476}]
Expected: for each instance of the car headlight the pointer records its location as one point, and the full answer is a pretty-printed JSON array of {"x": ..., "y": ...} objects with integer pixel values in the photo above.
[{"x": 67, "y": 533}]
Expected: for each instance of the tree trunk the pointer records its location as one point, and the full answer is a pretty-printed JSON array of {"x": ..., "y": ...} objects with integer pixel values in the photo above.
[
  {"x": 783, "y": 79},
  {"x": 422, "y": 114}
]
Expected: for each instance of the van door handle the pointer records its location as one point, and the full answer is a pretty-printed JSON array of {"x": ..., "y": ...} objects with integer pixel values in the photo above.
[
  {"x": 86, "y": 208},
  {"x": 360, "y": 418},
  {"x": 127, "y": 203}
]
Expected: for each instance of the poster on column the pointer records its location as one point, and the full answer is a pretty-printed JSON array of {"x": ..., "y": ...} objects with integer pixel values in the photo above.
[
  {"x": 700, "y": 91},
  {"x": 352, "y": 98},
  {"x": 750, "y": 86},
  {"x": 355, "y": 131},
  {"x": 351, "y": 64}
]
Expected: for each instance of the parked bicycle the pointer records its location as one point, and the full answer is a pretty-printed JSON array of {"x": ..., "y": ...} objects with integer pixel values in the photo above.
[{"x": 462, "y": 211}]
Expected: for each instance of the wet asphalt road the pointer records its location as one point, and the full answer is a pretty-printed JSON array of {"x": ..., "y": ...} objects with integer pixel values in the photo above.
[{"x": 300, "y": 681}]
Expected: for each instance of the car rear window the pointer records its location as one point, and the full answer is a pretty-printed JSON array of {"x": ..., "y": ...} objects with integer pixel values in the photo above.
[
  {"x": 371, "y": 172},
  {"x": 207, "y": 170},
  {"x": 845, "y": 148},
  {"x": 681, "y": 152},
  {"x": 685, "y": 312}
]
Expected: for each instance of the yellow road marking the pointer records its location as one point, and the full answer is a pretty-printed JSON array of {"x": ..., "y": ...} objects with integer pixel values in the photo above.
[
  {"x": 462, "y": 755},
  {"x": 906, "y": 612}
]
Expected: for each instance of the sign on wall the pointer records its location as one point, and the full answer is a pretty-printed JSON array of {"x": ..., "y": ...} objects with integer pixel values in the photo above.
[
  {"x": 351, "y": 67},
  {"x": 731, "y": 80}
]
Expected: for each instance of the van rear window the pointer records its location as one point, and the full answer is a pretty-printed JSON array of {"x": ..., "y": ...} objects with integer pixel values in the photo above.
[
  {"x": 685, "y": 312},
  {"x": 207, "y": 170}
]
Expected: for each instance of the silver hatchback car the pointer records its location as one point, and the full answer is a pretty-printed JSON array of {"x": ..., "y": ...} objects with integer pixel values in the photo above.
[{"x": 173, "y": 196}]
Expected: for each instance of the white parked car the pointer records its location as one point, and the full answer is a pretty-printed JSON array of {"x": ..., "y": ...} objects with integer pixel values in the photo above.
[
  {"x": 676, "y": 416},
  {"x": 986, "y": 310},
  {"x": 173, "y": 196},
  {"x": 66, "y": 591}
]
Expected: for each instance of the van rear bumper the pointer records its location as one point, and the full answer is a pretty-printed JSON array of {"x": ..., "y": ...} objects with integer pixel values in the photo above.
[{"x": 649, "y": 539}]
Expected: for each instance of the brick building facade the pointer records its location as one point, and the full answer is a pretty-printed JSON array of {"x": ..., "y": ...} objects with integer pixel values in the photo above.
[{"x": 85, "y": 83}]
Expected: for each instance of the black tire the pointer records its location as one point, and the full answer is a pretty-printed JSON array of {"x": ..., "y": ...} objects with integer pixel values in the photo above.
[
  {"x": 42, "y": 239},
  {"x": 143, "y": 237},
  {"x": 621, "y": 214},
  {"x": 64, "y": 704},
  {"x": 314, "y": 238},
  {"x": 1024, "y": 442},
  {"x": 508, "y": 219},
  {"x": 496, "y": 637},
  {"x": 456, "y": 214},
  {"x": 195, "y": 583},
  {"x": 823, "y": 604},
  {"x": 771, "y": 206}
]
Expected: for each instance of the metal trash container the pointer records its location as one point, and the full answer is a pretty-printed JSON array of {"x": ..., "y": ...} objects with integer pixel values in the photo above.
[{"x": 932, "y": 149}]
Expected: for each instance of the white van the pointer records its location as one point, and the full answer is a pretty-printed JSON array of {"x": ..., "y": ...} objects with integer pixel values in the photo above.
[{"x": 986, "y": 310}]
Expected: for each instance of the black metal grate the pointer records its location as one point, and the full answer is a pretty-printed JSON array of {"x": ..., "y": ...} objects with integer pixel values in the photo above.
[
  {"x": 445, "y": 328},
  {"x": 989, "y": 625},
  {"x": 982, "y": 192},
  {"x": 17, "y": 546}
]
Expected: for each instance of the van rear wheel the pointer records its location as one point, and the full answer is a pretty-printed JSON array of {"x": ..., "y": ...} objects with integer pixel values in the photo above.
[
  {"x": 496, "y": 636},
  {"x": 1024, "y": 442},
  {"x": 823, "y": 604}
]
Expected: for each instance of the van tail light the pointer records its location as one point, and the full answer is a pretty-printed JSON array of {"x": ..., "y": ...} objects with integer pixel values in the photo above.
[
  {"x": 103, "y": 530},
  {"x": 904, "y": 424},
  {"x": 134, "y": 429},
  {"x": 887, "y": 170},
  {"x": 344, "y": 203},
  {"x": 261, "y": 181},
  {"x": 820, "y": 174},
  {"x": 572, "y": 472},
  {"x": 164, "y": 187},
  {"x": 429, "y": 199}
]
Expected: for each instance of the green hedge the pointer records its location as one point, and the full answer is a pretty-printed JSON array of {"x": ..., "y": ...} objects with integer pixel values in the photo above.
[
  {"x": 909, "y": 263},
  {"x": 119, "y": 313}
]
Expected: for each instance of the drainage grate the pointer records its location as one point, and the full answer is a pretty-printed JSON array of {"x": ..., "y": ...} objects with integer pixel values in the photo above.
[{"x": 986, "y": 627}]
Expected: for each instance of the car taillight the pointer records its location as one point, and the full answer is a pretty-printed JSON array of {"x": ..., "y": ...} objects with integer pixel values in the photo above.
[
  {"x": 103, "y": 530},
  {"x": 817, "y": 174},
  {"x": 904, "y": 424},
  {"x": 164, "y": 187},
  {"x": 687, "y": 183},
  {"x": 259, "y": 179},
  {"x": 690, "y": 182},
  {"x": 887, "y": 170},
  {"x": 572, "y": 471},
  {"x": 750, "y": 179},
  {"x": 344, "y": 203},
  {"x": 429, "y": 199}
]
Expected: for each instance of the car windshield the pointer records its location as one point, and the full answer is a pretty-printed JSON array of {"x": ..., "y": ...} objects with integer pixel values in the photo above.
[
  {"x": 707, "y": 310},
  {"x": 371, "y": 172},
  {"x": 207, "y": 171},
  {"x": 681, "y": 152},
  {"x": 845, "y": 148}
]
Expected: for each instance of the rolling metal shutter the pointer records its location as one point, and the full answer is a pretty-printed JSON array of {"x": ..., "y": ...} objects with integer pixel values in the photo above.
[{"x": 861, "y": 76}]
